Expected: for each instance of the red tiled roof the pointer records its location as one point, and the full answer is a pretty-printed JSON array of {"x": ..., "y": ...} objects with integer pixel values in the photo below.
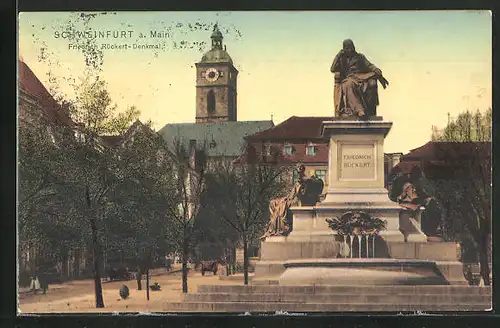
[
  {"x": 435, "y": 150},
  {"x": 405, "y": 167},
  {"x": 438, "y": 159},
  {"x": 293, "y": 128},
  {"x": 29, "y": 83}
]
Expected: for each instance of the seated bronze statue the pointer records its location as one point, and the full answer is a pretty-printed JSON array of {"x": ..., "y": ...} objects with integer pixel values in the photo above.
[
  {"x": 355, "y": 89},
  {"x": 305, "y": 192}
]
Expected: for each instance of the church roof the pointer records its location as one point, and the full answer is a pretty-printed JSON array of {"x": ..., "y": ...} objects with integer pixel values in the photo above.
[{"x": 229, "y": 137}]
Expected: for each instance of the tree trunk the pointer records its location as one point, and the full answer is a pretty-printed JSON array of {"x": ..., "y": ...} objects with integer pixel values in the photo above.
[
  {"x": 245, "y": 260},
  {"x": 139, "y": 277},
  {"x": 483, "y": 257},
  {"x": 184, "y": 265},
  {"x": 99, "y": 302},
  {"x": 33, "y": 256},
  {"x": 76, "y": 267},
  {"x": 64, "y": 264},
  {"x": 147, "y": 284}
]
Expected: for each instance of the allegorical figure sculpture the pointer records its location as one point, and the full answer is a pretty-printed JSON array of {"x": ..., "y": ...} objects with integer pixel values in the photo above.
[
  {"x": 410, "y": 192},
  {"x": 306, "y": 191},
  {"x": 355, "y": 91}
]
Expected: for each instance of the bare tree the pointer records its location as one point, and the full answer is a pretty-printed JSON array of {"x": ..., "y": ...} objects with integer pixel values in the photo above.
[
  {"x": 240, "y": 194},
  {"x": 189, "y": 175}
]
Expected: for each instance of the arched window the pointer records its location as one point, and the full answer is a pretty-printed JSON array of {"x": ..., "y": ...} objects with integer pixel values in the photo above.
[{"x": 211, "y": 101}]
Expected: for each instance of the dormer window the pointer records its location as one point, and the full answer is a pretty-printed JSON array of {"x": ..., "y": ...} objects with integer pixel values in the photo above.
[
  {"x": 287, "y": 149},
  {"x": 310, "y": 149}
]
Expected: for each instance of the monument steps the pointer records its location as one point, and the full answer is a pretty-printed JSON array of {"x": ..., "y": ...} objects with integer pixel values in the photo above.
[
  {"x": 342, "y": 298},
  {"x": 316, "y": 307},
  {"x": 324, "y": 298},
  {"x": 343, "y": 290}
]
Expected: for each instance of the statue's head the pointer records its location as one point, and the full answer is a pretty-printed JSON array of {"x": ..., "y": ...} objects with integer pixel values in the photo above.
[{"x": 348, "y": 46}]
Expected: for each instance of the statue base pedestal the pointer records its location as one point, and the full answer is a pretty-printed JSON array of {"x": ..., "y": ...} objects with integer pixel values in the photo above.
[
  {"x": 276, "y": 252},
  {"x": 355, "y": 183}
]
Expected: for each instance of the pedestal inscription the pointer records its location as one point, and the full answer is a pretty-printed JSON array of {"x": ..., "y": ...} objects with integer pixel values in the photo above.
[{"x": 357, "y": 162}]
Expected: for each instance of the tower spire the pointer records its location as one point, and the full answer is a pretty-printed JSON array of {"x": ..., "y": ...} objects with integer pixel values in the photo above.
[{"x": 216, "y": 38}]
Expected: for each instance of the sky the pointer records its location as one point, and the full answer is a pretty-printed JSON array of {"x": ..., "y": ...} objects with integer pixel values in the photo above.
[{"x": 437, "y": 62}]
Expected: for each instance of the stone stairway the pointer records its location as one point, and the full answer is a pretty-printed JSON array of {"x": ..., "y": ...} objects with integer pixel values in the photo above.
[{"x": 272, "y": 298}]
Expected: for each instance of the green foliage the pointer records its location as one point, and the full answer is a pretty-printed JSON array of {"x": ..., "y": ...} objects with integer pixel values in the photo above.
[
  {"x": 463, "y": 190},
  {"x": 351, "y": 223},
  {"x": 121, "y": 122},
  {"x": 140, "y": 205},
  {"x": 45, "y": 220},
  {"x": 93, "y": 108},
  {"x": 467, "y": 127},
  {"x": 67, "y": 186}
]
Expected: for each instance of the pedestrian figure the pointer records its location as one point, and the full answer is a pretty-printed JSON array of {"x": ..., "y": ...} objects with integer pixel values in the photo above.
[
  {"x": 35, "y": 284},
  {"x": 43, "y": 282},
  {"x": 169, "y": 264}
]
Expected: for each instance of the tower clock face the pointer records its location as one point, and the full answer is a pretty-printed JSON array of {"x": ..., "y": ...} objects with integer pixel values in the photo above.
[{"x": 211, "y": 75}]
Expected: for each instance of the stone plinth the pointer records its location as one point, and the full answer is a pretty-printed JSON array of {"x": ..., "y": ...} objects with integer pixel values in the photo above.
[
  {"x": 309, "y": 222},
  {"x": 356, "y": 158},
  {"x": 289, "y": 250},
  {"x": 356, "y": 272}
]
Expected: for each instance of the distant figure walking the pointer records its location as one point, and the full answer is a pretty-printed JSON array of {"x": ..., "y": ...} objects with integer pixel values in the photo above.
[
  {"x": 168, "y": 264},
  {"x": 35, "y": 284},
  {"x": 43, "y": 282}
]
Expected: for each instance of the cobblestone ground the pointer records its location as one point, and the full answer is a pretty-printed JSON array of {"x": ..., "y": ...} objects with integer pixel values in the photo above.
[{"x": 78, "y": 296}]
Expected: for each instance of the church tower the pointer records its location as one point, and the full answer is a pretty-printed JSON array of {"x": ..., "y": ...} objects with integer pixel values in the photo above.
[{"x": 216, "y": 84}]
